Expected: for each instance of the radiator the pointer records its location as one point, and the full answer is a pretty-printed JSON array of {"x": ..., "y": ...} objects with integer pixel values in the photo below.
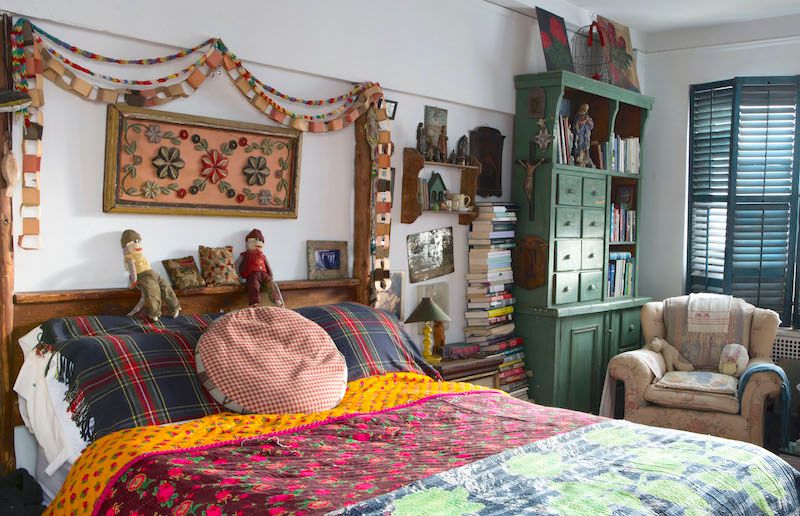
[{"x": 787, "y": 345}]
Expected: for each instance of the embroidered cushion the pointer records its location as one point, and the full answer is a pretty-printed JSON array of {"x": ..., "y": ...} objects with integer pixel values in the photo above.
[
  {"x": 734, "y": 360},
  {"x": 270, "y": 360},
  {"x": 371, "y": 340},
  {"x": 218, "y": 265},
  {"x": 183, "y": 273},
  {"x": 702, "y": 381}
]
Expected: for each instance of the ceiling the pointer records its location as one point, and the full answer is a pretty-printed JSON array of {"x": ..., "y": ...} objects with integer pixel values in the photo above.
[{"x": 659, "y": 15}]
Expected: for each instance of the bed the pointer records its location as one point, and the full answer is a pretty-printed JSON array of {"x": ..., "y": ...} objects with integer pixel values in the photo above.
[{"x": 404, "y": 443}]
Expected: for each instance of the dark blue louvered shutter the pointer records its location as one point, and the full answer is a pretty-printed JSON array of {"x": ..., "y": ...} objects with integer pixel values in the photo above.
[
  {"x": 710, "y": 118},
  {"x": 743, "y": 190}
]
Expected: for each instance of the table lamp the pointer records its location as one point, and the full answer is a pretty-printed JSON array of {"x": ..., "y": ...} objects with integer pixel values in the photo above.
[{"x": 427, "y": 311}]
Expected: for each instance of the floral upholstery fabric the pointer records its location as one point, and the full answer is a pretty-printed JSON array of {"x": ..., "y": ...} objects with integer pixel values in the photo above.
[
  {"x": 689, "y": 399},
  {"x": 701, "y": 381},
  {"x": 218, "y": 265},
  {"x": 183, "y": 273}
]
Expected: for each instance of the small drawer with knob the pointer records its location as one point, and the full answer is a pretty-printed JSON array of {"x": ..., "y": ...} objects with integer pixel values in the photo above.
[
  {"x": 594, "y": 192},
  {"x": 569, "y": 190},
  {"x": 594, "y": 223},
  {"x": 566, "y": 288},
  {"x": 591, "y": 286},
  {"x": 631, "y": 328},
  {"x": 591, "y": 254},
  {"x": 568, "y": 222},
  {"x": 568, "y": 255}
]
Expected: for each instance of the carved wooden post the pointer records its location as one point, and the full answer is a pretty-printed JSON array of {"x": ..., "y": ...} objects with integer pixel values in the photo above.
[
  {"x": 7, "y": 461},
  {"x": 361, "y": 211}
]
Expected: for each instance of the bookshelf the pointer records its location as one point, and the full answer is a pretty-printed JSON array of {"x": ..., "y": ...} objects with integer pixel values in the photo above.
[
  {"x": 413, "y": 164},
  {"x": 583, "y": 312}
]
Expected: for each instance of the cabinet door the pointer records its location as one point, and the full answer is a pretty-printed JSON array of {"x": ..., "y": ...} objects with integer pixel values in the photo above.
[
  {"x": 630, "y": 331},
  {"x": 580, "y": 362}
]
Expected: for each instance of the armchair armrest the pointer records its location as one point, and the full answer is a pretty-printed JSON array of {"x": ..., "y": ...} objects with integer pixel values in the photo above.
[
  {"x": 760, "y": 387},
  {"x": 637, "y": 369}
]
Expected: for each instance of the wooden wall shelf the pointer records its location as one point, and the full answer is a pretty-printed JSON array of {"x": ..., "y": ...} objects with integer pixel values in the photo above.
[{"x": 413, "y": 163}]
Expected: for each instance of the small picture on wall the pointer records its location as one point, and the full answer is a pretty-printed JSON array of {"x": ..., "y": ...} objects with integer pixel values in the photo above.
[
  {"x": 391, "y": 108},
  {"x": 430, "y": 254},
  {"x": 439, "y": 293},
  {"x": 327, "y": 259},
  {"x": 435, "y": 121},
  {"x": 392, "y": 299}
]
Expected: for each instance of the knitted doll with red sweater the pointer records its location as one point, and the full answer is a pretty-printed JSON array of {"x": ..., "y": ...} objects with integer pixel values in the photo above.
[{"x": 256, "y": 272}]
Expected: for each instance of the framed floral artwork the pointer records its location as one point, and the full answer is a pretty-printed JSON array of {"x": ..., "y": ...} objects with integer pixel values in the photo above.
[
  {"x": 160, "y": 162},
  {"x": 555, "y": 44}
]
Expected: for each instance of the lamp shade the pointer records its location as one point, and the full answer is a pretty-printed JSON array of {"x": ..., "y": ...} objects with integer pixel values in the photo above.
[{"x": 426, "y": 311}]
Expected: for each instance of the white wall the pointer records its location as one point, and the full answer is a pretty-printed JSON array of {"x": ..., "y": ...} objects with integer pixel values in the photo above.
[
  {"x": 669, "y": 74},
  {"x": 457, "y": 54}
]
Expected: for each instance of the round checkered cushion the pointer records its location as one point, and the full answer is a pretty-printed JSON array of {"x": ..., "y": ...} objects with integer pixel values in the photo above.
[{"x": 270, "y": 360}]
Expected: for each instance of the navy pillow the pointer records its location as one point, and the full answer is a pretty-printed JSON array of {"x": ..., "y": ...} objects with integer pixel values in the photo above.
[{"x": 371, "y": 340}]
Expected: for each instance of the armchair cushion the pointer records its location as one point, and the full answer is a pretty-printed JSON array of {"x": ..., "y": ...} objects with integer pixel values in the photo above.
[
  {"x": 699, "y": 381},
  {"x": 686, "y": 399}
]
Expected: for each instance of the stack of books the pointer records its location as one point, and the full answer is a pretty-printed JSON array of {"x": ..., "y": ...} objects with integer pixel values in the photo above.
[
  {"x": 490, "y": 305},
  {"x": 625, "y": 155},
  {"x": 620, "y": 274},
  {"x": 564, "y": 140},
  {"x": 623, "y": 223}
]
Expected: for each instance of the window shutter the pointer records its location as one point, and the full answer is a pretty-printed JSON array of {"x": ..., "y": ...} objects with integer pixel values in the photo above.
[
  {"x": 711, "y": 115},
  {"x": 764, "y": 198}
]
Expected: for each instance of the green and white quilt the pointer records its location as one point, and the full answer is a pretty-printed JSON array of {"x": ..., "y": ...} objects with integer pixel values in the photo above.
[{"x": 613, "y": 468}]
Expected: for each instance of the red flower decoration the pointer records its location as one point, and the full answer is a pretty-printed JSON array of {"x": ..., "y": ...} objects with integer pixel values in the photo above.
[
  {"x": 557, "y": 30},
  {"x": 242, "y": 141},
  {"x": 546, "y": 43},
  {"x": 215, "y": 166},
  {"x": 183, "y": 134},
  {"x": 240, "y": 198},
  {"x": 181, "y": 193},
  {"x": 164, "y": 493}
]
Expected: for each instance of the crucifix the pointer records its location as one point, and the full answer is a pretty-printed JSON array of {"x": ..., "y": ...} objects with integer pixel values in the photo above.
[{"x": 530, "y": 168}]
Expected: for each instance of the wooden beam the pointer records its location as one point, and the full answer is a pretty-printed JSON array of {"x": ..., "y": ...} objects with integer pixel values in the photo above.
[
  {"x": 7, "y": 460},
  {"x": 362, "y": 223}
]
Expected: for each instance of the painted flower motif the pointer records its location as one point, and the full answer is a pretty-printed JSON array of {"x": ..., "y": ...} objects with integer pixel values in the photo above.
[
  {"x": 546, "y": 42},
  {"x": 195, "y": 138},
  {"x": 151, "y": 189},
  {"x": 181, "y": 193},
  {"x": 264, "y": 197},
  {"x": 232, "y": 144},
  {"x": 153, "y": 133},
  {"x": 137, "y": 160},
  {"x": 256, "y": 170},
  {"x": 215, "y": 166},
  {"x": 242, "y": 141},
  {"x": 213, "y": 510},
  {"x": 164, "y": 493},
  {"x": 168, "y": 162},
  {"x": 183, "y": 508},
  {"x": 135, "y": 482},
  {"x": 231, "y": 193},
  {"x": 183, "y": 134},
  {"x": 557, "y": 30},
  {"x": 240, "y": 198},
  {"x": 193, "y": 190}
]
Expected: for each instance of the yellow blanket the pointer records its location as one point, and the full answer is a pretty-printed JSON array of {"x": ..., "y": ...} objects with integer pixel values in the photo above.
[{"x": 101, "y": 461}]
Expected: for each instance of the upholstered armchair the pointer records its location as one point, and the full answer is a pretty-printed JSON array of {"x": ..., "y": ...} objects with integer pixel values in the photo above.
[{"x": 692, "y": 410}]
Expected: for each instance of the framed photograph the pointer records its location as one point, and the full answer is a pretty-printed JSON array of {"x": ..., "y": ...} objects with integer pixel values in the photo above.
[
  {"x": 392, "y": 299},
  {"x": 439, "y": 293},
  {"x": 391, "y": 108},
  {"x": 555, "y": 41},
  {"x": 327, "y": 259},
  {"x": 168, "y": 163},
  {"x": 430, "y": 254},
  {"x": 435, "y": 121}
]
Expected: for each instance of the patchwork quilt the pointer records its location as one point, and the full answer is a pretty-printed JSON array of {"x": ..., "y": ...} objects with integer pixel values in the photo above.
[{"x": 404, "y": 444}]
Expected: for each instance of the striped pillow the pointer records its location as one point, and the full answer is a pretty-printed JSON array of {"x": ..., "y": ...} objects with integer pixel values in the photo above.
[{"x": 371, "y": 340}]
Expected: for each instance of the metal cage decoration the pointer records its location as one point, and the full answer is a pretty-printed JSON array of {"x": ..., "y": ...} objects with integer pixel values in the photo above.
[{"x": 590, "y": 55}]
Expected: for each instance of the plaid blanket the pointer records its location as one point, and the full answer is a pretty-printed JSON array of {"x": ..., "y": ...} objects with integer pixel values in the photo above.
[{"x": 124, "y": 372}]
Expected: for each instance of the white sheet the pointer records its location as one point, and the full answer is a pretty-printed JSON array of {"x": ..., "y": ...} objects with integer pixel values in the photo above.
[
  {"x": 51, "y": 483},
  {"x": 43, "y": 408}
]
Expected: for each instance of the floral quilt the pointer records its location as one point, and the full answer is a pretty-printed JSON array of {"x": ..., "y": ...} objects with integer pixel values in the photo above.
[{"x": 614, "y": 467}]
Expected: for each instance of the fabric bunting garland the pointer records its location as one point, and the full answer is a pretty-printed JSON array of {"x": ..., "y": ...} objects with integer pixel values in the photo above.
[{"x": 37, "y": 55}]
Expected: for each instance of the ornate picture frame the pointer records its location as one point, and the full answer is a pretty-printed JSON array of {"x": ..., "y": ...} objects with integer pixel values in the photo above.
[
  {"x": 174, "y": 164},
  {"x": 327, "y": 259}
]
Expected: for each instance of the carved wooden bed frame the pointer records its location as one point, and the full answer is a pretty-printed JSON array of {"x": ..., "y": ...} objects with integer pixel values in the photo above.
[{"x": 23, "y": 311}]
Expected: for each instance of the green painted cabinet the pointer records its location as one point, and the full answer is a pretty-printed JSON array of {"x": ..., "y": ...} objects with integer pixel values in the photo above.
[{"x": 571, "y": 324}]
